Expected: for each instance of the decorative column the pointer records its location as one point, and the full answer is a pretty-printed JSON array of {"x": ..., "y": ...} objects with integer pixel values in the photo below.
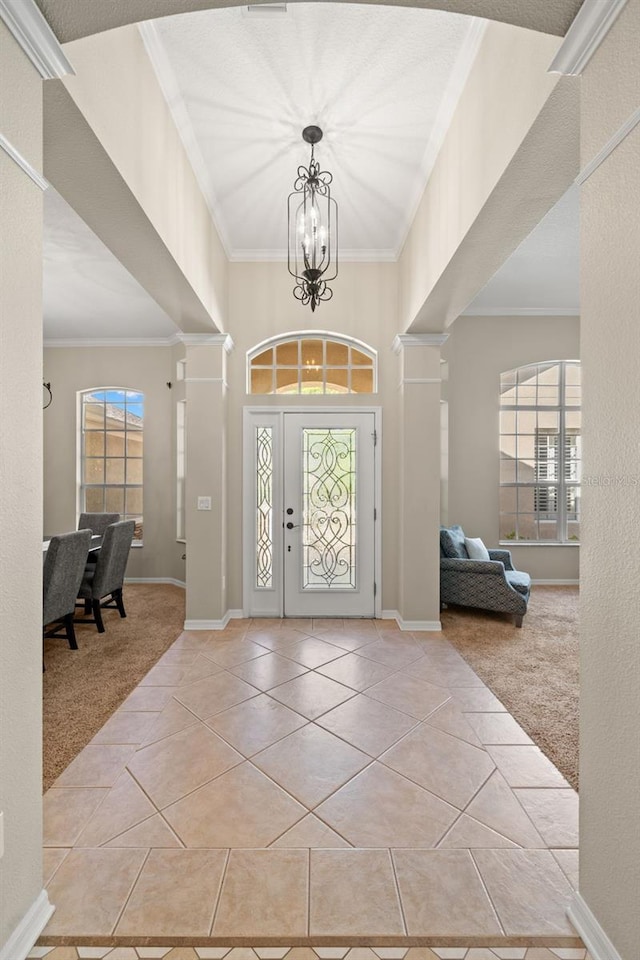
[
  {"x": 419, "y": 480},
  {"x": 29, "y": 54},
  {"x": 206, "y": 494}
]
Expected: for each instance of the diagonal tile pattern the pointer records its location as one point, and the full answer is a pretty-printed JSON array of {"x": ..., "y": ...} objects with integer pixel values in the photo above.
[
  {"x": 301, "y": 779},
  {"x": 310, "y": 953}
]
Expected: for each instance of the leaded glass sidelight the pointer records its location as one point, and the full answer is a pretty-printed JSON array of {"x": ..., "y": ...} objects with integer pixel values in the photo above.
[
  {"x": 264, "y": 507},
  {"x": 329, "y": 507}
]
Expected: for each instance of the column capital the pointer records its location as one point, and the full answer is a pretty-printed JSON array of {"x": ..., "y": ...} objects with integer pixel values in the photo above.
[
  {"x": 405, "y": 340},
  {"x": 206, "y": 340}
]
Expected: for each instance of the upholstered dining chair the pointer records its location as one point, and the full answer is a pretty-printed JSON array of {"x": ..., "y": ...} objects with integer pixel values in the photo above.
[
  {"x": 107, "y": 577},
  {"x": 62, "y": 574},
  {"x": 97, "y": 522}
]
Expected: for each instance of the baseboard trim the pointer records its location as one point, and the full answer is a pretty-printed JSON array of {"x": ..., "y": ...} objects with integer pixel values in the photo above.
[
  {"x": 555, "y": 583},
  {"x": 412, "y": 625},
  {"x": 19, "y": 944},
  {"x": 213, "y": 624},
  {"x": 595, "y": 939},
  {"x": 176, "y": 583}
]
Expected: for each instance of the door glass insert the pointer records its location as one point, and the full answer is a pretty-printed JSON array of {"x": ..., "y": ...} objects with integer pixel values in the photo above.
[
  {"x": 329, "y": 507},
  {"x": 264, "y": 507}
]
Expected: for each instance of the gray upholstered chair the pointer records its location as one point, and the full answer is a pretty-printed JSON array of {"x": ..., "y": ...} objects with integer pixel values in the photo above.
[
  {"x": 97, "y": 522},
  {"x": 491, "y": 584},
  {"x": 107, "y": 577},
  {"x": 62, "y": 574}
]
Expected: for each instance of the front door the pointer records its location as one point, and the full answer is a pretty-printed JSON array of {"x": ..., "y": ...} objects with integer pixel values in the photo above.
[
  {"x": 329, "y": 515},
  {"x": 310, "y": 514}
]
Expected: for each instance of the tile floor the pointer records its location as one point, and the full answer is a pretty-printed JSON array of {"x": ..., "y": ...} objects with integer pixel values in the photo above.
[
  {"x": 309, "y": 953},
  {"x": 305, "y": 782}
]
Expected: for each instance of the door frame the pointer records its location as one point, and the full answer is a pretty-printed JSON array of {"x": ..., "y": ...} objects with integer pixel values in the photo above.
[{"x": 276, "y": 414}]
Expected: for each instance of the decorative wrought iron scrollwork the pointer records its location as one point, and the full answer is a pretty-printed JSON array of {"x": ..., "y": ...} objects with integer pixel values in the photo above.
[
  {"x": 313, "y": 229},
  {"x": 329, "y": 507},
  {"x": 264, "y": 507}
]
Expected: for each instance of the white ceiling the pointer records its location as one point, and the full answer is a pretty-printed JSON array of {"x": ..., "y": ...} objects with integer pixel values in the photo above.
[
  {"x": 242, "y": 85},
  {"x": 543, "y": 274},
  {"x": 87, "y": 293}
]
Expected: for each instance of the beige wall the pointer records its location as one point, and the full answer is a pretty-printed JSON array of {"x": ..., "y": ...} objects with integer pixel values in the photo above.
[
  {"x": 135, "y": 127},
  {"x": 365, "y": 305},
  {"x": 610, "y": 600},
  {"x": 20, "y": 490},
  {"x": 479, "y": 349},
  {"x": 506, "y": 90},
  {"x": 141, "y": 368}
]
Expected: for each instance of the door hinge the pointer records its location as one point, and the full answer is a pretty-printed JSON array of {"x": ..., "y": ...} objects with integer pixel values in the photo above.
[
  {"x": 375, "y": 438},
  {"x": 375, "y": 513},
  {"x": 375, "y": 588}
]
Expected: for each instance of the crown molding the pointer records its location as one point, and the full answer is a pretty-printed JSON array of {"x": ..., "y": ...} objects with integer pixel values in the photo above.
[
  {"x": 591, "y": 24},
  {"x": 69, "y": 343},
  {"x": 189, "y": 339},
  {"x": 521, "y": 312},
  {"x": 404, "y": 340},
  {"x": 28, "y": 26},
  {"x": 630, "y": 124},
  {"x": 22, "y": 162}
]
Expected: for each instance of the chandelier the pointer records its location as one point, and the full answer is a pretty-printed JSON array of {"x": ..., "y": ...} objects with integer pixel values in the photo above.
[{"x": 313, "y": 229}]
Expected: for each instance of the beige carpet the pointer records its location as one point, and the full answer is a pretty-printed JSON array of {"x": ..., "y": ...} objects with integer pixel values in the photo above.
[
  {"x": 83, "y": 687},
  {"x": 534, "y": 670}
]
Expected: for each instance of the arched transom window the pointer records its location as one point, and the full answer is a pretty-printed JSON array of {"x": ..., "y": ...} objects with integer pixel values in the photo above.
[
  {"x": 540, "y": 452},
  {"x": 311, "y": 363}
]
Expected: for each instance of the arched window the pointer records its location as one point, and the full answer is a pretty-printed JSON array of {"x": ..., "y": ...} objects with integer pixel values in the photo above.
[
  {"x": 111, "y": 443},
  {"x": 540, "y": 452},
  {"x": 311, "y": 363}
]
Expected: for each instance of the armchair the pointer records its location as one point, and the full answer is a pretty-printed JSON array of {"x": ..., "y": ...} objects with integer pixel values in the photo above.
[{"x": 492, "y": 584}]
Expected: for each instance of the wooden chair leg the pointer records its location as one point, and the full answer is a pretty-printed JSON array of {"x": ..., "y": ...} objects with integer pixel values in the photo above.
[
  {"x": 117, "y": 596},
  {"x": 97, "y": 613},
  {"x": 519, "y": 619},
  {"x": 71, "y": 634}
]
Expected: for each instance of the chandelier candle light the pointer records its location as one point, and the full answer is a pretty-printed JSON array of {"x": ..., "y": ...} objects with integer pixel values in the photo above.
[{"x": 313, "y": 229}]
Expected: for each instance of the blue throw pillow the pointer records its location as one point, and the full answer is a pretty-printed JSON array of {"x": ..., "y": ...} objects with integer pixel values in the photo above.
[{"x": 452, "y": 543}]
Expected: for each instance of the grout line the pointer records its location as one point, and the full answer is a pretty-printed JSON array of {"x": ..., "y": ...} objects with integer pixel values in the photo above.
[
  {"x": 309, "y": 892},
  {"x": 126, "y": 830},
  {"x": 216, "y": 905},
  {"x": 131, "y": 889},
  {"x": 490, "y": 899},
  {"x": 397, "y": 883}
]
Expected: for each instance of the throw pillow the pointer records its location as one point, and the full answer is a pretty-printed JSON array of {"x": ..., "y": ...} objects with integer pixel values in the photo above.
[
  {"x": 452, "y": 543},
  {"x": 476, "y": 548}
]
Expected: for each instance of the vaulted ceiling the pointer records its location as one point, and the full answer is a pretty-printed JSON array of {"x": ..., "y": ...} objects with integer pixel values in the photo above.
[{"x": 242, "y": 85}]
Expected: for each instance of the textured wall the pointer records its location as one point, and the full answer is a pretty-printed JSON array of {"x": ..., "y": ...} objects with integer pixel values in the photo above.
[
  {"x": 71, "y": 20},
  {"x": 479, "y": 350},
  {"x": 20, "y": 489},
  {"x": 507, "y": 89},
  {"x": 137, "y": 135},
  {"x": 610, "y": 600}
]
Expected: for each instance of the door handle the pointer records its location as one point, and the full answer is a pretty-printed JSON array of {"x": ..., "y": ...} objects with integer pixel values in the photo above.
[{"x": 291, "y": 526}]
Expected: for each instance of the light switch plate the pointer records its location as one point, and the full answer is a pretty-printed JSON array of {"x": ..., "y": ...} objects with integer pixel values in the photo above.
[{"x": 204, "y": 503}]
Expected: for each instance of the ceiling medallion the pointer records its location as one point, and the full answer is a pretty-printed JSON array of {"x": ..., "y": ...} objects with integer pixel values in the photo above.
[{"x": 313, "y": 229}]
